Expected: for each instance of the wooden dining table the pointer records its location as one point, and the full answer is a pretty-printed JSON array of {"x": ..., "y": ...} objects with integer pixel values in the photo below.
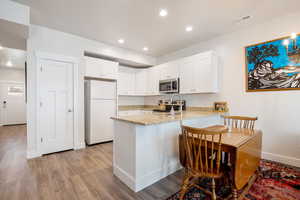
[{"x": 244, "y": 149}]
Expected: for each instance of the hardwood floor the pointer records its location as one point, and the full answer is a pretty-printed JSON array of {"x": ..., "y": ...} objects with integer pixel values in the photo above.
[{"x": 83, "y": 174}]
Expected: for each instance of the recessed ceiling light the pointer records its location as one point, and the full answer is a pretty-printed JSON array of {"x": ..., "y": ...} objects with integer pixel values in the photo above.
[
  {"x": 293, "y": 35},
  {"x": 188, "y": 28},
  {"x": 145, "y": 48},
  {"x": 163, "y": 12},
  {"x": 121, "y": 41},
  {"x": 9, "y": 64}
]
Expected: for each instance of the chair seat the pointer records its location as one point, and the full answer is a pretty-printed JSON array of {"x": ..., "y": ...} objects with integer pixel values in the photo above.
[{"x": 223, "y": 169}]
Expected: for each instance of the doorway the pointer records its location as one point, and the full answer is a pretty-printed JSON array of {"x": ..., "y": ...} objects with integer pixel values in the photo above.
[
  {"x": 12, "y": 98},
  {"x": 12, "y": 86}
]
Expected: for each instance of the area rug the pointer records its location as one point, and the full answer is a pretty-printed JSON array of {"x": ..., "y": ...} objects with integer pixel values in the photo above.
[{"x": 275, "y": 182}]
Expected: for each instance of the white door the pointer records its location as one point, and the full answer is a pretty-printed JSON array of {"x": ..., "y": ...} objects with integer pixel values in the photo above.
[
  {"x": 13, "y": 106},
  {"x": 56, "y": 106}
]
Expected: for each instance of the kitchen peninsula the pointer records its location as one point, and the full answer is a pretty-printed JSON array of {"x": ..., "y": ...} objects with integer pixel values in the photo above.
[{"x": 146, "y": 144}]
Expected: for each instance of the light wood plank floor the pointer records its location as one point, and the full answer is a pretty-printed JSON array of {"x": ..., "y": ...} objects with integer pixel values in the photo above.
[{"x": 84, "y": 174}]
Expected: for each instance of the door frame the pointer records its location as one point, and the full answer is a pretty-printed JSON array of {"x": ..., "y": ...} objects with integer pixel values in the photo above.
[
  {"x": 1, "y": 109},
  {"x": 61, "y": 58}
]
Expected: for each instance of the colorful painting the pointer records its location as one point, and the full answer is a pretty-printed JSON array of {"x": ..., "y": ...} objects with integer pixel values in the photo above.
[{"x": 273, "y": 65}]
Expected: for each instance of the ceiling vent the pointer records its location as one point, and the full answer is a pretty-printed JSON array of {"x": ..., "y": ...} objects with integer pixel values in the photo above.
[{"x": 242, "y": 19}]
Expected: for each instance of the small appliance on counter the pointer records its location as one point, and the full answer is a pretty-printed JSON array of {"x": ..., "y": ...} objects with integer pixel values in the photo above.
[{"x": 166, "y": 105}]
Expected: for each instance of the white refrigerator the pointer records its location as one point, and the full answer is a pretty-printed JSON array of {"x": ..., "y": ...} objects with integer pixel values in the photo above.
[{"x": 100, "y": 106}]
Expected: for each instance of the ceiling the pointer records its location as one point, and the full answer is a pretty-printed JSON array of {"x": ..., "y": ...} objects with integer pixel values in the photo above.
[
  {"x": 138, "y": 22},
  {"x": 16, "y": 57}
]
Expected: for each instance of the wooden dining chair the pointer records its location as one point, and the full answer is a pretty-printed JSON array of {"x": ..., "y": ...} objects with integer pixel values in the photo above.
[
  {"x": 202, "y": 148},
  {"x": 239, "y": 122}
]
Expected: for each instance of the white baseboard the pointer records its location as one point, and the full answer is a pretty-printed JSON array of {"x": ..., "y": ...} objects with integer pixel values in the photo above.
[
  {"x": 282, "y": 159},
  {"x": 137, "y": 184},
  {"x": 125, "y": 177},
  {"x": 33, "y": 154},
  {"x": 153, "y": 177},
  {"x": 79, "y": 146}
]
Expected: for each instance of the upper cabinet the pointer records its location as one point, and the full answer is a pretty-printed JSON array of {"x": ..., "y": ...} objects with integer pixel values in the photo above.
[
  {"x": 99, "y": 68},
  {"x": 153, "y": 76},
  {"x": 141, "y": 82},
  {"x": 199, "y": 73},
  {"x": 126, "y": 81},
  {"x": 168, "y": 70}
]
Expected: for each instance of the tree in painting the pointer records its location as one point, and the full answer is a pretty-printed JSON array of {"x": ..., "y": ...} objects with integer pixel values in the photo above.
[{"x": 258, "y": 54}]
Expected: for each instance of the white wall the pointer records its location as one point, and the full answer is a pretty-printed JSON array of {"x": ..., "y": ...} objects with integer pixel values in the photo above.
[
  {"x": 15, "y": 75},
  {"x": 14, "y": 22},
  {"x": 278, "y": 112},
  {"x": 127, "y": 100},
  {"x": 15, "y": 12},
  {"x": 56, "y": 42}
]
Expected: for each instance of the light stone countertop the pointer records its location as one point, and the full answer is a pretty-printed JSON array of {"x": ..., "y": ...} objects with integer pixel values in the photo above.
[{"x": 158, "y": 118}]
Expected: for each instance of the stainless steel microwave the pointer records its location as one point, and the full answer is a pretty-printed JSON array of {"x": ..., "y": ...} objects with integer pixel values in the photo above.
[{"x": 169, "y": 86}]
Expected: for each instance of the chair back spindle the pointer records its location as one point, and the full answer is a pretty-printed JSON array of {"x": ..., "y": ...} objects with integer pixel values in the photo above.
[
  {"x": 203, "y": 150},
  {"x": 240, "y": 122}
]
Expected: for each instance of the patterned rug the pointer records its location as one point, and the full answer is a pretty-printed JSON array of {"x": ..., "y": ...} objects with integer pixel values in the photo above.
[{"x": 275, "y": 182}]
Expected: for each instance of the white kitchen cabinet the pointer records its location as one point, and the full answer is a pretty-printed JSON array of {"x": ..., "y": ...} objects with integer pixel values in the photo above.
[
  {"x": 126, "y": 81},
  {"x": 99, "y": 68},
  {"x": 169, "y": 70},
  {"x": 138, "y": 82},
  {"x": 141, "y": 82},
  {"x": 199, "y": 74},
  {"x": 152, "y": 81},
  {"x": 186, "y": 76}
]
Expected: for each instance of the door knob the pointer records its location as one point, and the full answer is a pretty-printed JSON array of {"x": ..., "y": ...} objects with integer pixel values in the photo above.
[
  {"x": 4, "y": 102},
  {"x": 70, "y": 110}
]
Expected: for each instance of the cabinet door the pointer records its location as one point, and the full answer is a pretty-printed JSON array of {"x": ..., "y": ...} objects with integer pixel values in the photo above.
[
  {"x": 141, "y": 82},
  {"x": 153, "y": 81},
  {"x": 187, "y": 76},
  {"x": 199, "y": 74},
  {"x": 126, "y": 81},
  {"x": 169, "y": 70},
  {"x": 207, "y": 74},
  {"x": 109, "y": 69},
  {"x": 92, "y": 68},
  {"x": 100, "y": 68}
]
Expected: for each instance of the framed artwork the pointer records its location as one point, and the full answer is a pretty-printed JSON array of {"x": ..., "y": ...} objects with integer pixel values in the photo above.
[
  {"x": 273, "y": 65},
  {"x": 221, "y": 106}
]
